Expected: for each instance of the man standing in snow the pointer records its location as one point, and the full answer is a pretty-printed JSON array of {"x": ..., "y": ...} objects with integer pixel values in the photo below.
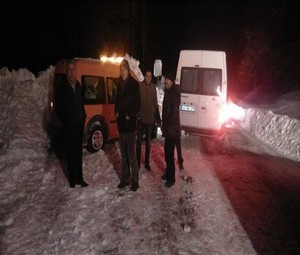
[
  {"x": 71, "y": 114},
  {"x": 170, "y": 127},
  {"x": 127, "y": 105},
  {"x": 146, "y": 117}
]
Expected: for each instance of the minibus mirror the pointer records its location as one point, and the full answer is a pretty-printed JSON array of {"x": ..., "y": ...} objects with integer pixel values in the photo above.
[{"x": 157, "y": 69}]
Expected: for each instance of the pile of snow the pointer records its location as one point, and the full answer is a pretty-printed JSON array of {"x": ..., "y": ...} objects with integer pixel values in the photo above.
[
  {"x": 134, "y": 66},
  {"x": 23, "y": 104},
  {"x": 277, "y": 125},
  {"x": 6, "y": 90}
]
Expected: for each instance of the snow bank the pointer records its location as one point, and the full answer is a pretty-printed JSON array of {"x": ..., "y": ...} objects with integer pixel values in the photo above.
[
  {"x": 23, "y": 108},
  {"x": 134, "y": 66},
  {"x": 281, "y": 132},
  {"x": 276, "y": 122},
  {"x": 6, "y": 90}
]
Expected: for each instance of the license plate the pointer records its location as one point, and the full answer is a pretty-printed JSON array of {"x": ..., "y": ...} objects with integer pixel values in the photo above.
[{"x": 187, "y": 108}]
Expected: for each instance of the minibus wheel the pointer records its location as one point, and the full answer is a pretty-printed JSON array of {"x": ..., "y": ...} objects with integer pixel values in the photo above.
[{"x": 96, "y": 139}]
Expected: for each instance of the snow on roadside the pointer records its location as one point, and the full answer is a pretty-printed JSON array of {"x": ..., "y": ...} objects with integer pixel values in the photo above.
[
  {"x": 134, "y": 66},
  {"x": 24, "y": 99},
  {"x": 6, "y": 90},
  {"x": 274, "y": 126}
]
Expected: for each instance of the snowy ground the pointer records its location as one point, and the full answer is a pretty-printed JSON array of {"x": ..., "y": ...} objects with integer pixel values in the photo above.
[{"x": 40, "y": 214}]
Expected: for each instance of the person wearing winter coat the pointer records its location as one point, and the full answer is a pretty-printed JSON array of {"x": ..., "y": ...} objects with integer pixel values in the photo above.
[
  {"x": 127, "y": 105},
  {"x": 146, "y": 117},
  {"x": 170, "y": 127},
  {"x": 71, "y": 114}
]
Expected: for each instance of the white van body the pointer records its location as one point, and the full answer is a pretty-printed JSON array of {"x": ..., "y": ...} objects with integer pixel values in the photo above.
[{"x": 200, "y": 73}]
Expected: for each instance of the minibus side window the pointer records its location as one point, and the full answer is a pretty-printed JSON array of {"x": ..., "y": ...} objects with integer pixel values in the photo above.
[
  {"x": 93, "y": 90},
  {"x": 111, "y": 90},
  {"x": 212, "y": 79},
  {"x": 190, "y": 80}
]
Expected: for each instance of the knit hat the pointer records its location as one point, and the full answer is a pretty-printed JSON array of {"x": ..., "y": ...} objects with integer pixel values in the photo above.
[{"x": 124, "y": 64}]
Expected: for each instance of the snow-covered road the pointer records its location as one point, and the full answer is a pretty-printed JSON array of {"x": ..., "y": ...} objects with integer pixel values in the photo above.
[{"x": 40, "y": 214}]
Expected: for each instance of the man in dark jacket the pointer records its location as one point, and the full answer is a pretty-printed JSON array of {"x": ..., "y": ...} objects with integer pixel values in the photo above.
[
  {"x": 146, "y": 117},
  {"x": 127, "y": 105},
  {"x": 71, "y": 114},
  {"x": 170, "y": 127}
]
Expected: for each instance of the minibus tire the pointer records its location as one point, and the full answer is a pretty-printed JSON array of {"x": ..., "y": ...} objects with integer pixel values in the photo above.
[{"x": 96, "y": 132}]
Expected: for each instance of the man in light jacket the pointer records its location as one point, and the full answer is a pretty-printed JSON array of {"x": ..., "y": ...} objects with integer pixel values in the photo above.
[{"x": 146, "y": 117}]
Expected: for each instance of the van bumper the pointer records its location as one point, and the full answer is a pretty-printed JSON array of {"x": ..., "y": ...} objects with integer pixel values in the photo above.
[
  {"x": 200, "y": 131},
  {"x": 208, "y": 132}
]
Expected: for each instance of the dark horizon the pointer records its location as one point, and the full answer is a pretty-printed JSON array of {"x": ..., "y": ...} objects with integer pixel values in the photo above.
[{"x": 37, "y": 34}]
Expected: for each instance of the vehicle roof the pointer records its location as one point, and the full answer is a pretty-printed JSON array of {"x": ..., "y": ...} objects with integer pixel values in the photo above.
[
  {"x": 93, "y": 67},
  {"x": 207, "y": 51}
]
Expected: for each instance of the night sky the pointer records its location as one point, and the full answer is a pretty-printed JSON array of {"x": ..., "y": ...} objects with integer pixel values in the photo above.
[{"x": 36, "y": 34}]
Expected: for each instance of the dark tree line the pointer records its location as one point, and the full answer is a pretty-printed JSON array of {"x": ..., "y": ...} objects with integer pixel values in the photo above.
[{"x": 271, "y": 52}]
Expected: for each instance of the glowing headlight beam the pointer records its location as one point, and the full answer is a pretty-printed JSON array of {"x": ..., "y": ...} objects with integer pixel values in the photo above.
[{"x": 230, "y": 110}]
